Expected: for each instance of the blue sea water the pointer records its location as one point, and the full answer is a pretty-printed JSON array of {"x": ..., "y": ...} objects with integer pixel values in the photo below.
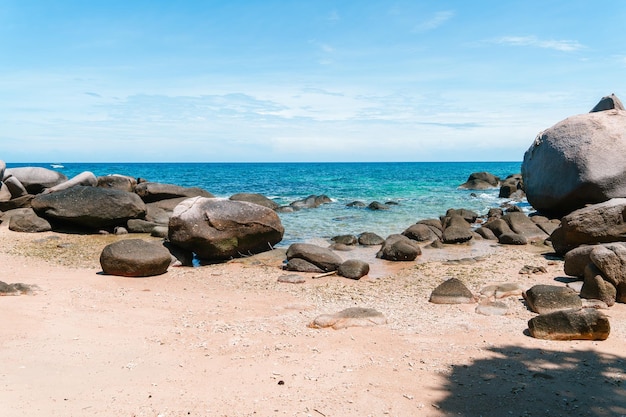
[{"x": 421, "y": 189}]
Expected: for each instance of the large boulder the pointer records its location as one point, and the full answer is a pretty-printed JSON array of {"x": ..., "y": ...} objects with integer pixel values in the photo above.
[
  {"x": 219, "y": 229},
  {"x": 90, "y": 207},
  {"x": 576, "y": 162},
  {"x": 156, "y": 191},
  {"x": 597, "y": 223},
  {"x": 36, "y": 179},
  {"x": 135, "y": 258}
]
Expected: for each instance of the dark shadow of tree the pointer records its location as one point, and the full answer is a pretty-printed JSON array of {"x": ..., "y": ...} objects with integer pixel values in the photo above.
[{"x": 538, "y": 382}]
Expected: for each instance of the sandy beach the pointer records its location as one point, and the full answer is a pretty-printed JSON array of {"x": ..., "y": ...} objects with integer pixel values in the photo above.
[{"x": 231, "y": 340}]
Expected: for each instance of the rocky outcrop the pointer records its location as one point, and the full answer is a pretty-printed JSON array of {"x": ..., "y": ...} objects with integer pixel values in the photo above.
[
  {"x": 89, "y": 207},
  {"x": 578, "y": 161},
  {"x": 135, "y": 258},
  {"x": 219, "y": 229}
]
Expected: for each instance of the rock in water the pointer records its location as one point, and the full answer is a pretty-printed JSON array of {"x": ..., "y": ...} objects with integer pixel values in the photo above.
[
  {"x": 580, "y": 324},
  {"x": 576, "y": 162}
]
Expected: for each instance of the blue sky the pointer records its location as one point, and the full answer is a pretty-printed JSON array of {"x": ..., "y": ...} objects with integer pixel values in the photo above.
[{"x": 221, "y": 81}]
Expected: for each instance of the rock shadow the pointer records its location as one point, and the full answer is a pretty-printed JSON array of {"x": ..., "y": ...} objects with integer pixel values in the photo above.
[{"x": 520, "y": 381}]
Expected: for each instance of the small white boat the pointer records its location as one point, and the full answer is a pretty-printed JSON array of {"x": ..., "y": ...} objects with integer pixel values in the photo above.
[{"x": 57, "y": 166}]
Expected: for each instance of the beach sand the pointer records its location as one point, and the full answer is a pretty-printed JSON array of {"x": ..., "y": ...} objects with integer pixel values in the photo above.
[{"x": 230, "y": 340}]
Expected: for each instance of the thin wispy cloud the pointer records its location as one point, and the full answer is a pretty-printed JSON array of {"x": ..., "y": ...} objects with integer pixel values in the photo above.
[
  {"x": 533, "y": 41},
  {"x": 334, "y": 16},
  {"x": 434, "y": 22}
]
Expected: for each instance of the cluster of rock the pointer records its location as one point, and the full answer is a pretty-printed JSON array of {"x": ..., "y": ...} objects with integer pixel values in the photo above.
[
  {"x": 511, "y": 187},
  {"x": 192, "y": 220}
]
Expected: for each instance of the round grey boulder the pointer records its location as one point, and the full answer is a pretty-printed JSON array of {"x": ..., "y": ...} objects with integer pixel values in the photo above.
[
  {"x": 353, "y": 269},
  {"x": 576, "y": 162},
  {"x": 134, "y": 258}
]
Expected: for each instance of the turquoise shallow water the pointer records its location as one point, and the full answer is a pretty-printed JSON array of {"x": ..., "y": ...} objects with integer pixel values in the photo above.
[{"x": 421, "y": 189}]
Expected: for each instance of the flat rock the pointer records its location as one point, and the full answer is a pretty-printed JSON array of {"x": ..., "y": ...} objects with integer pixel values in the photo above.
[
  {"x": 492, "y": 308},
  {"x": 503, "y": 290},
  {"x": 292, "y": 279},
  {"x": 350, "y": 317},
  {"x": 578, "y": 324},
  {"x": 545, "y": 299}
]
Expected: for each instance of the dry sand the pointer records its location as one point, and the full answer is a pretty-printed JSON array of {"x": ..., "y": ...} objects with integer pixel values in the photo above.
[{"x": 230, "y": 340}]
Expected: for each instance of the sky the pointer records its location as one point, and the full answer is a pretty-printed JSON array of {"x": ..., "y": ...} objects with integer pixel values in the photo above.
[{"x": 298, "y": 81}]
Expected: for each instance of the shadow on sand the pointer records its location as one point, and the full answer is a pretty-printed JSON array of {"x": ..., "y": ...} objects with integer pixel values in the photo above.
[{"x": 538, "y": 382}]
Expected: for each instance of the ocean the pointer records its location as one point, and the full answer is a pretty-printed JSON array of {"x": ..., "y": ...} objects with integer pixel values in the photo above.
[{"x": 421, "y": 189}]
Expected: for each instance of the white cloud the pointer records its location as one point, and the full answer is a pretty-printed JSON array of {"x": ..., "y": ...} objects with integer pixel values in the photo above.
[
  {"x": 434, "y": 22},
  {"x": 558, "y": 45}
]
